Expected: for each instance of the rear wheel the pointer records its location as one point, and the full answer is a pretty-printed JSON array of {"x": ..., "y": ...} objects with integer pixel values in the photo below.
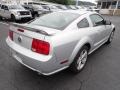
[
  {"x": 80, "y": 60},
  {"x": 110, "y": 38},
  {"x": 0, "y": 18}
]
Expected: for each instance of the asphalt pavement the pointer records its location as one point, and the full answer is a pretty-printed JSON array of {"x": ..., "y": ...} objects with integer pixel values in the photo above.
[{"x": 102, "y": 71}]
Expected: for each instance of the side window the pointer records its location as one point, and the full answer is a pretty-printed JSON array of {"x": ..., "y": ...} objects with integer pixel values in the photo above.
[
  {"x": 26, "y": 7},
  {"x": 83, "y": 23},
  {"x": 97, "y": 20},
  {"x": 6, "y": 7},
  {"x": 2, "y": 7}
]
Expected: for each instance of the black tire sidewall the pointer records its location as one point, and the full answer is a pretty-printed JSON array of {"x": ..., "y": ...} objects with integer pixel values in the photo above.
[
  {"x": 0, "y": 18},
  {"x": 13, "y": 18},
  {"x": 74, "y": 65},
  {"x": 108, "y": 42}
]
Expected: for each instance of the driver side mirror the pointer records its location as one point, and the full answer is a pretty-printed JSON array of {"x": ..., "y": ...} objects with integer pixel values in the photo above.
[{"x": 107, "y": 22}]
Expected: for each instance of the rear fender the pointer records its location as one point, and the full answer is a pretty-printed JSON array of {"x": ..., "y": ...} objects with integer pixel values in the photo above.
[{"x": 79, "y": 45}]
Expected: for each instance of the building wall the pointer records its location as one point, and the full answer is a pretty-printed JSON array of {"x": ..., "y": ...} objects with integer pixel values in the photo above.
[{"x": 111, "y": 7}]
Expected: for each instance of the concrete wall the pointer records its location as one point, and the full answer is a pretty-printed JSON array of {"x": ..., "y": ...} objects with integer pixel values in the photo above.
[
  {"x": 115, "y": 12},
  {"x": 110, "y": 12},
  {"x": 104, "y": 11}
]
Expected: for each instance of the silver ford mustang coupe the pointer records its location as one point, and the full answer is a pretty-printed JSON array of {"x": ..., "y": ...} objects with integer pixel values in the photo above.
[{"x": 59, "y": 40}]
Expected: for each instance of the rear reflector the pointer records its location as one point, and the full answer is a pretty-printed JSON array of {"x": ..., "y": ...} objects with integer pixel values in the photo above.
[
  {"x": 41, "y": 47},
  {"x": 20, "y": 30},
  {"x": 11, "y": 34}
]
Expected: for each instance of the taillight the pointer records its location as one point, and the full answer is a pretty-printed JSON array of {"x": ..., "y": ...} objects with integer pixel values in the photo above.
[
  {"x": 41, "y": 47},
  {"x": 11, "y": 34}
]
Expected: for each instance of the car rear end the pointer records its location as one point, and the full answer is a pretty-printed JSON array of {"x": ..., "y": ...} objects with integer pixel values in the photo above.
[
  {"x": 43, "y": 44},
  {"x": 31, "y": 48}
]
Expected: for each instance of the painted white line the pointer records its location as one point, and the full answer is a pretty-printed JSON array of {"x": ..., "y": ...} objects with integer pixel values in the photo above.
[{"x": 4, "y": 23}]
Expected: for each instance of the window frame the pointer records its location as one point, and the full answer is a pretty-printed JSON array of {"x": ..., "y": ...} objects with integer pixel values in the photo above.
[{"x": 81, "y": 21}]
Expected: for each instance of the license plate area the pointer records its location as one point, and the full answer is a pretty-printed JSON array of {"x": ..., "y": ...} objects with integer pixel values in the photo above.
[{"x": 22, "y": 40}]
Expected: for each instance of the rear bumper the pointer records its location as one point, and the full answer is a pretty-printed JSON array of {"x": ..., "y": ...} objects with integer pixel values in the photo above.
[{"x": 45, "y": 65}]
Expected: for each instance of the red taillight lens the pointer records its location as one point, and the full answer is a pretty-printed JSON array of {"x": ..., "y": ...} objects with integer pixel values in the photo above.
[
  {"x": 41, "y": 47},
  {"x": 11, "y": 34}
]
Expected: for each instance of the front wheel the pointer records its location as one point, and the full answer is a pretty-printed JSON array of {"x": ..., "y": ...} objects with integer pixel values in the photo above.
[
  {"x": 13, "y": 18},
  {"x": 110, "y": 38},
  {"x": 80, "y": 60}
]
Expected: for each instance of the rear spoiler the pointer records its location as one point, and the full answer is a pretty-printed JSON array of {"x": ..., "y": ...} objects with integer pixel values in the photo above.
[{"x": 30, "y": 29}]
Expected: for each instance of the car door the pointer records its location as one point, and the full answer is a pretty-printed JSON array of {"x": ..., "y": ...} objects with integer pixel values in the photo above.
[
  {"x": 2, "y": 11},
  {"x": 6, "y": 11},
  {"x": 88, "y": 32},
  {"x": 99, "y": 27}
]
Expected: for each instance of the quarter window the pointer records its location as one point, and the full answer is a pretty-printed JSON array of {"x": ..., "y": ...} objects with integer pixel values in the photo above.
[
  {"x": 2, "y": 7},
  {"x": 97, "y": 20},
  {"x": 5, "y": 7},
  {"x": 83, "y": 23}
]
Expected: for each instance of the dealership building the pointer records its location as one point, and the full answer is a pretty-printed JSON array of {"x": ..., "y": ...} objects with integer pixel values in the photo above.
[{"x": 111, "y": 7}]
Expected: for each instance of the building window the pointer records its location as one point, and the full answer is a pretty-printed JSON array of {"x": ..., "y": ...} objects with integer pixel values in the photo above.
[
  {"x": 104, "y": 5},
  {"x": 99, "y": 5},
  {"x": 113, "y": 6},
  {"x": 108, "y": 5},
  {"x": 119, "y": 5}
]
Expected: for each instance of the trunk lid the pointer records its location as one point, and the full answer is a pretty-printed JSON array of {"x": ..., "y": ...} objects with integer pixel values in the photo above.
[
  {"x": 23, "y": 35},
  {"x": 49, "y": 31}
]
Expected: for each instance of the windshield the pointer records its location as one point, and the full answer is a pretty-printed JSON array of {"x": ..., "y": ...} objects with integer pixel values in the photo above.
[
  {"x": 16, "y": 7},
  {"x": 37, "y": 7},
  {"x": 73, "y": 7},
  {"x": 54, "y": 7},
  {"x": 62, "y": 7},
  {"x": 56, "y": 20}
]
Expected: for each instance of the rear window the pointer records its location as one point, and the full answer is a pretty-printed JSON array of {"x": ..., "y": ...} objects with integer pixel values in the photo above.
[{"x": 56, "y": 20}]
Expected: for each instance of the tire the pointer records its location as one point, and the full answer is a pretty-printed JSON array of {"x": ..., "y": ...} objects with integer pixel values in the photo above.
[
  {"x": 80, "y": 60},
  {"x": 110, "y": 37},
  {"x": 13, "y": 18},
  {"x": 0, "y": 18},
  {"x": 36, "y": 15}
]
